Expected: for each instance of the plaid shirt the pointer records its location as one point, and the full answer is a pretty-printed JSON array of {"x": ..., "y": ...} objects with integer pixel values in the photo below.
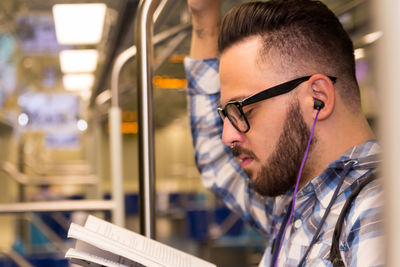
[{"x": 362, "y": 235}]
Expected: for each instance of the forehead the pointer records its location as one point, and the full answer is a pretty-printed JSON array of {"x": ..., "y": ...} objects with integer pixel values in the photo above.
[{"x": 243, "y": 72}]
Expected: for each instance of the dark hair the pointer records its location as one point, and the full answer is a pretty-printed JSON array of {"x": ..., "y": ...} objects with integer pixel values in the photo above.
[{"x": 305, "y": 33}]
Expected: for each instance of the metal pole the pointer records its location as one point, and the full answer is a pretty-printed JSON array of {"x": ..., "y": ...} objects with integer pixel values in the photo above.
[
  {"x": 118, "y": 214},
  {"x": 387, "y": 14},
  {"x": 115, "y": 117},
  {"x": 51, "y": 206},
  {"x": 160, "y": 7},
  {"x": 144, "y": 33},
  {"x": 131, "y": 53}
]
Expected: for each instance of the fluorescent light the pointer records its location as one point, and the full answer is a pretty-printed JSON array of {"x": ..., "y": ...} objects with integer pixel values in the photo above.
[
  {"x": 75, "y": 82},
  {"x": 372, "y": 37},
  {"x": 79, "y": 23},
  {"x": 84, "y": 60}
]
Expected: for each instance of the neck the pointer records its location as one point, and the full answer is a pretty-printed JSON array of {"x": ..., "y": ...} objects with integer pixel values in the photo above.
[{"x": 334, "y": 138}]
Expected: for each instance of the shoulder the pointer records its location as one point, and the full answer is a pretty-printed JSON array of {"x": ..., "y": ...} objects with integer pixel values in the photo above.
[
  {"x": 364, "y": 224},
  {"x": 363, "y": 229},
  {"x": 368, "y": 202}
]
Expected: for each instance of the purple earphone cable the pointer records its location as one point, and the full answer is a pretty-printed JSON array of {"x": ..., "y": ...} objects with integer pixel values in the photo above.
[{"x": 296, "y": 187}]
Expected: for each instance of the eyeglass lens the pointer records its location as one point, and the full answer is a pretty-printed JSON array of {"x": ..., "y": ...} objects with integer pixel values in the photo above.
[{"x": 236, "y": 117}]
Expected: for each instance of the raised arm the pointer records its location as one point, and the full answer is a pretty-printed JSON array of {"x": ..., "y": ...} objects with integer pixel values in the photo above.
[
  {"x": 219, "y": 171},
  {"x": 206, "y": 18}
]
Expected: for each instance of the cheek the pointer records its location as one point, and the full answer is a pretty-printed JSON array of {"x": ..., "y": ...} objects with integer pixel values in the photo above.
[
  {"x": 265, "y": 129},
  {"x": 263, "y": 138}
]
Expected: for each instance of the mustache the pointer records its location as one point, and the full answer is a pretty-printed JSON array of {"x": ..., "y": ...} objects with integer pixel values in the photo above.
[{"x": 237, "y": 150}]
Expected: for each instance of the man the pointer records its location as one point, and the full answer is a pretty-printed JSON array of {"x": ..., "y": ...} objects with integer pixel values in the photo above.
[{"x": 295, "y": 143}]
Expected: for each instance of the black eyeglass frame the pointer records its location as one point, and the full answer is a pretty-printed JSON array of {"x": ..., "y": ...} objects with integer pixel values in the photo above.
[{"x": 263, "y": 95}]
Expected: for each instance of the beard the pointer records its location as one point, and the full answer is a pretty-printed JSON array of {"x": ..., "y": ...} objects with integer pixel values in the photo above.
[{"x": 279, "y": 173}]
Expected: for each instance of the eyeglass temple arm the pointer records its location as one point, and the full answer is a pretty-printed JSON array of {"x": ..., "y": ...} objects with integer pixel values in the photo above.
[
  {"x": 275, "y": 91},
  {"x": 279, "y": 90}
]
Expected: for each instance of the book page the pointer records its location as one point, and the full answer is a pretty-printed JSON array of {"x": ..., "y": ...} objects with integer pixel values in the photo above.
[
  {"x": 148, "y": 248},
  {"x": 116, "y": 259},
  {"x": 108, "y": 245},
  {"x": 87, "y": 259}
]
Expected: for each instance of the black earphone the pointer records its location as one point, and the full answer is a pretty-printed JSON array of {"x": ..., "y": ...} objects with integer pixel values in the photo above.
[{"x": 318, "y": 104}]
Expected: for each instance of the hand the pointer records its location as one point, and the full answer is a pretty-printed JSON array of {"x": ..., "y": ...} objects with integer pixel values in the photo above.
[
  {"x": 205, "y": 13},
  {"x": 206, "y": 17},
  {"x": 203, "y": 7}
]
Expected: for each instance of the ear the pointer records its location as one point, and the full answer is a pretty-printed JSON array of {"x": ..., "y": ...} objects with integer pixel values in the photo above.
[{"x": 322, "y": 88}]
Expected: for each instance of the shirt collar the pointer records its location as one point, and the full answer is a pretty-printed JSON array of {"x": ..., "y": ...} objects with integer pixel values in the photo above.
[{"x": 364, "y": 157}]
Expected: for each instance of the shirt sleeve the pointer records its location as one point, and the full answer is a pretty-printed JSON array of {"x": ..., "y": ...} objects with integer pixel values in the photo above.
[{"x": 220, "y": 172}]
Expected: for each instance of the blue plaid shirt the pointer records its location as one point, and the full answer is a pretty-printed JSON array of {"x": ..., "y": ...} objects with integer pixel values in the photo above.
[{"x": 361, "y": 241}]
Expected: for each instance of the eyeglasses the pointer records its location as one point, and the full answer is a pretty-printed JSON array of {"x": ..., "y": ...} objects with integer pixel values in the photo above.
[{"x": 234, "y": 109}]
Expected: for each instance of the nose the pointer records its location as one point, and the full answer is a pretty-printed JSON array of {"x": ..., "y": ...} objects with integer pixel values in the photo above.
[{"x": 230, "y": 134}]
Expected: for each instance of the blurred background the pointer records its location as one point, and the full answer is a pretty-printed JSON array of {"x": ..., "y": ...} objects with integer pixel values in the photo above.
[{"x": 56, "y": 61}]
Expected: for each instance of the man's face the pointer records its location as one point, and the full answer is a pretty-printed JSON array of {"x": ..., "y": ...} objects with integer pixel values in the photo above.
[{"x": 271, "y": 151}]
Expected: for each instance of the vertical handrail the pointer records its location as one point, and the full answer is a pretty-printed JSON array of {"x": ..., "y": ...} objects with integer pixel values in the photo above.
[
  {"x": 116, "y": 158},
  {"x": 117, "y": 195},
  {"x": 115, "y": 117},
  {"x": 144, "y": 32}
]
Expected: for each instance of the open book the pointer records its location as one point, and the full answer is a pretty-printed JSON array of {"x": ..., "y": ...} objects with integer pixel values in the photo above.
[{"x": 100, "y": 243}]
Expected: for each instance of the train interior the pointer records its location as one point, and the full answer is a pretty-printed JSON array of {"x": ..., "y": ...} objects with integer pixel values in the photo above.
[{"x": 56, "y": 151}]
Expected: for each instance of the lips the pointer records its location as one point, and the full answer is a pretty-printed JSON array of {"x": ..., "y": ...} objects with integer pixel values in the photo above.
[
  {"x": 245, "y": 156},
  {"x": 245, "y": 160}
]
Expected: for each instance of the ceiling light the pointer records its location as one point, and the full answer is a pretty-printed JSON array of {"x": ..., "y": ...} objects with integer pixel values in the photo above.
[
  {"x": 78, "y": 60},
  {"x": 76, "y": 82},
  {"x": 372, "y": 37},
  {"x": 79, "y": 23}
]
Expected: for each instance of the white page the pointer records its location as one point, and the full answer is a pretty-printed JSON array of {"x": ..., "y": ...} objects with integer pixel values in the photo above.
[
  {"x": 148, "y": 248},
  {"x": 85, "y": 259},
  {"x": 103, "y": 243},
  {"x": 117, "y": 259}
]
